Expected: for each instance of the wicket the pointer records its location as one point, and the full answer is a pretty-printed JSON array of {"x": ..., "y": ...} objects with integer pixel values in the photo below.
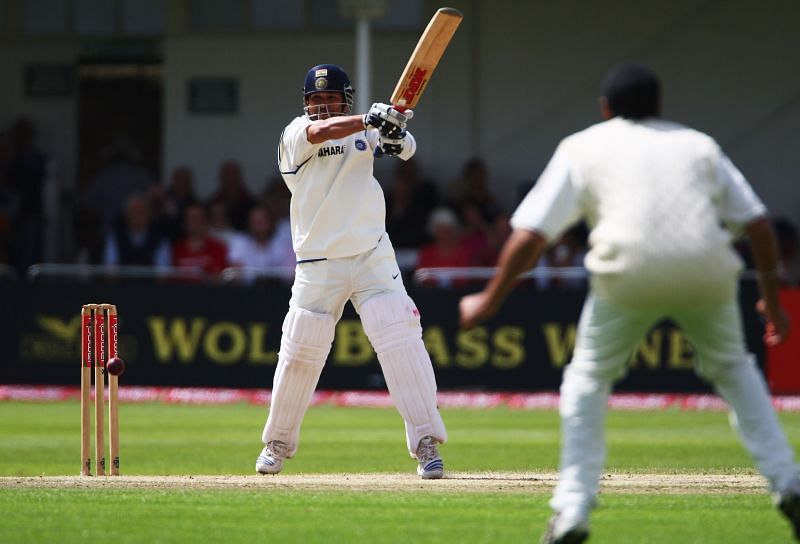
[{"x": 99, "y": 343}]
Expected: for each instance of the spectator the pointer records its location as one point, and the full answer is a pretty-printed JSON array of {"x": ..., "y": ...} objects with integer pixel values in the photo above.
[
  {"x": 446, "y": 250},
  {"x": 197, "y": 249},
  {"x": 234, "y": 194},
  {"x": 498, "y": 234},
  {"x": 137, "y": 240},
  {"x": 169, "y": 206},
  {"x": 473, "y": 186},
  {"x": 277, "y": 198},
  {"x": 219, "y": 223},
  {"x": 475, "y": 233},
  {"x": 261, "y": 248},
  {"x": 26, "y": 173},
  {"x": 409, "y": 204},
  {"x": 120, "y": 177}
]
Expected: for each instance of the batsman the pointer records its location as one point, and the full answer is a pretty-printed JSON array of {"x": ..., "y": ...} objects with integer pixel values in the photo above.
[{"x": 343, "y": 253}]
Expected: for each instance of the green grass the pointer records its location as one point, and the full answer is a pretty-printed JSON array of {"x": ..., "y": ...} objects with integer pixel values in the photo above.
[{"x": 43, "y": 439}]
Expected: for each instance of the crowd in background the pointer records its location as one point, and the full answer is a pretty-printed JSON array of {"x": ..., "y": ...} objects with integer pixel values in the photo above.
[{"x": 125, "y": 216}]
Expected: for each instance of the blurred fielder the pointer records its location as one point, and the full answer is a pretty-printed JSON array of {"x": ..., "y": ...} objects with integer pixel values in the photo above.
[
  {"x": 343, "y": 253},
  {"x": 656, "y": 195}
]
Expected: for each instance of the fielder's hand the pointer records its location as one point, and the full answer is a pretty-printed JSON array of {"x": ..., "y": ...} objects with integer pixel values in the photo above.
[
  {"x": 776, "y": 329},
  {"x": 474, "y": 309},
  {"x": 389, "y": 121}
]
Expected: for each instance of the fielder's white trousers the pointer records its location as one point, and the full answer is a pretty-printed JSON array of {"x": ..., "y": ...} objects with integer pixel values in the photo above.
[{"x": 606, "y": 337}]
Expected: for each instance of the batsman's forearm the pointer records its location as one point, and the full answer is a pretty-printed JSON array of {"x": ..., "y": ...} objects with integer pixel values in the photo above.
[
  {"x": 334, "y": 128},
  {"x": 765, "y": 254},
  {"x": 520, "y": 253}
]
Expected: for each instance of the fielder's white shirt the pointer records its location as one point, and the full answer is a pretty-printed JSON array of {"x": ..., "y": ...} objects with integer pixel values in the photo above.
[
  {"x": 658, "y": 197},
  {"x": 337, "y": 208}
]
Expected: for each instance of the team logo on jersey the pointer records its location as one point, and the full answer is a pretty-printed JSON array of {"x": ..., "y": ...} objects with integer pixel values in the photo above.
[
  {"x": 321, "y": 83},
  {"x": 361, "y": 145}
]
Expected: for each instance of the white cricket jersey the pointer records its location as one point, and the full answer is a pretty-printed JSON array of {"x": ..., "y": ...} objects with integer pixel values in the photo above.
[
  {"x": 337, "y": 208},
  {"x": 657, "y": 197}
]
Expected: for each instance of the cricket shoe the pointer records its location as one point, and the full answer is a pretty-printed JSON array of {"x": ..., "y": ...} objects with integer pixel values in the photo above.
[
  {"x": 557, "y": 534},
  {"x": 431, "y": 466},
  {"x": 788, "y": 502},
  {"x": 270, "y": 460}
]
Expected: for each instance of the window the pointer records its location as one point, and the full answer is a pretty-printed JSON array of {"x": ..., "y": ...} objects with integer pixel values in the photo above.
[
  {"x": 277, "y": 14},
  {"x": 44, "y": 17},
  {"x": 216, "y": 15},
  {"x": 144, "y": 17},
  {"x": 95, "y": 17}
]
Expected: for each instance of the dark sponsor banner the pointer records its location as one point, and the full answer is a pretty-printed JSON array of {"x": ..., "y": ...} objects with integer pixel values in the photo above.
[{"x": 228, "y": 336}]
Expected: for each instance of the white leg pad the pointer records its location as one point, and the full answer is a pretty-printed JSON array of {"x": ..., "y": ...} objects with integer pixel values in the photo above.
[
  {"x": 306, "y": 341},
  {"x": 393, "y": 326}
]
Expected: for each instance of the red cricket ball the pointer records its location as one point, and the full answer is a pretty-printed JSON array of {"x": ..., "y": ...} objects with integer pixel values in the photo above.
[{"x": 115, "y": 366}]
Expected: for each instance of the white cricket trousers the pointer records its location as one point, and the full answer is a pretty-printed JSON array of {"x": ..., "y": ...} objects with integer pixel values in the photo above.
[
  {"x": 606, "y": 337},
  {"x": 372, "y": 282}
]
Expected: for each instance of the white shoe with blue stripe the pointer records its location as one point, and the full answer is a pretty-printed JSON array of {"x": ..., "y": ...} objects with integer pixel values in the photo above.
[
  {"x": 270, "y": 460},
  {"x": 431, "y": 466}
]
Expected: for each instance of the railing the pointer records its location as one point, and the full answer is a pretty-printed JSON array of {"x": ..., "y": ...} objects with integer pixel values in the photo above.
[
  {"x": 446, "y": 276},
  {"x": 244, "y": 274},
  {"x": 422, "y": 276},
  {"x": 89, "y": 271},
  {"x": 186, "y": 274}
]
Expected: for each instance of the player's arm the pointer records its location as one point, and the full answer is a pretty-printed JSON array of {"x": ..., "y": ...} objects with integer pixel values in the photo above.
[
  {"x": 334, "y": 128},
  {"x": 520, "y": 253},
  {"x": 739, "y": 205},
  {"x": 383, "y": 117},
  {"x": 765, "y": 254}
]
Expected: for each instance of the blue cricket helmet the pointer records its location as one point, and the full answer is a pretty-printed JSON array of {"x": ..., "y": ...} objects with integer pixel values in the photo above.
[{"x": 329, "y": 78}]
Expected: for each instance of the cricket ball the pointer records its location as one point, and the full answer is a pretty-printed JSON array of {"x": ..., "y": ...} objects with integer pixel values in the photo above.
[{"x": 115, "y": 366}]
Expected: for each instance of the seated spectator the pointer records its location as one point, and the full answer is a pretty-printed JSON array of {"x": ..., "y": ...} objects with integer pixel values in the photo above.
[
  {"x": 219, "y": 224},
  {"x": 277, "y": 198},
  {"x": 498, "y": 234},
  {"x": 446, "y": 250},
  {"x": 409, "y": 203},
  {"x": 475, "y": 233},
  {"x": 169, "y": 206},
  {"x": 473, "y": 186},
  {"x": 264, "y": 246},
  {"x": 120, "y": 177},
  {"x": 137, "y": 240},
  {"x": 234, "y": 194},
  {"x": 197, "y": 249},
  {"x": 568, "y": 252}
]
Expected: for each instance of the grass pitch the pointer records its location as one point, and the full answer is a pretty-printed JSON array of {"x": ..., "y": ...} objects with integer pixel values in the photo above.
[{"x": 489, "y": 499}]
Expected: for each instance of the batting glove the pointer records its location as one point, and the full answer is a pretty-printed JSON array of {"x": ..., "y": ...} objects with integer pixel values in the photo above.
[
  {"x": 389, "y": 121},
  {"x": 392, "y": 146}
]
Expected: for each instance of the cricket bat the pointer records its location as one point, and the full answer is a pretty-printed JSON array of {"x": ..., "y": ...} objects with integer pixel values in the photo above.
[{"x": 426, "y": 56}]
